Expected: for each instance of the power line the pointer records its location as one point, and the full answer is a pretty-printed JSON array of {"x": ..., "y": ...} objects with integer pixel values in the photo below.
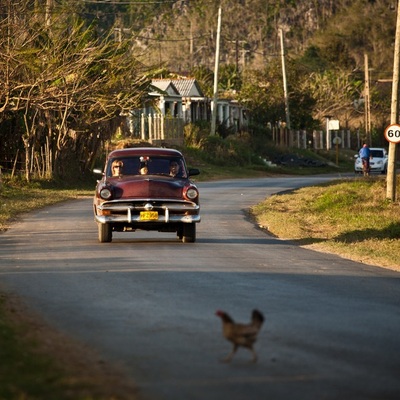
[
  {"x": 169, "y": 40},
  {"x": 124, "y": 3}
]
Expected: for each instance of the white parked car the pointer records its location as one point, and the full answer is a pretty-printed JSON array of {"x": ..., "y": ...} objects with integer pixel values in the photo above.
[{"x": 378, "y": 162}]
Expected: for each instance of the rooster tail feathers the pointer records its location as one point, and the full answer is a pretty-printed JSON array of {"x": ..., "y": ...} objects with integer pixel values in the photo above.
[{"x": 257, "y": 317}]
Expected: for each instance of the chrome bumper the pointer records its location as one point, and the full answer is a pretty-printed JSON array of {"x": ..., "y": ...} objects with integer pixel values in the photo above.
[{"x": 184, "y": 212}]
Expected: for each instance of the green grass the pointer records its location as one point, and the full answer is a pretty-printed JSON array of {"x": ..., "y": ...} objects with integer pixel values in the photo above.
[
  {"x": 23, "y": 375},
  {"x": 351, "y": 218},
  {"x": 39, "y": 363},
  {"x": 17, "y": 197}
]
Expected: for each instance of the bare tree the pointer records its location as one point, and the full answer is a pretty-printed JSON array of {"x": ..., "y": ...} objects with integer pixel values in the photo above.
[
  {"x": 65, "y": 83},
  {"x": 334, "y": 92}
]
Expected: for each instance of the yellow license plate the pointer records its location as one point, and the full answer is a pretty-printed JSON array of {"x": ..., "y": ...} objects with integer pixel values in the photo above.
[{"x": 148, "y": 215}]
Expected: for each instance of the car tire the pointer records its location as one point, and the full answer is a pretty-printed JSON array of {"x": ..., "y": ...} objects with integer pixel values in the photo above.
[
  {"x": 105, "y": 232},
  {"x": 189, "y": 233}
]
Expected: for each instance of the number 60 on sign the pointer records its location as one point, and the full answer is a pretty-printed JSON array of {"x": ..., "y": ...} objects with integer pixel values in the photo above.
[{"x": 392, "y": 133}]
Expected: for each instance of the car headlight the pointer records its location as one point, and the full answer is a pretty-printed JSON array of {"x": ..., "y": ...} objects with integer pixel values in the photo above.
[
  {"x": 192, "y": 193},
  {"x": 105, "y": 193}
]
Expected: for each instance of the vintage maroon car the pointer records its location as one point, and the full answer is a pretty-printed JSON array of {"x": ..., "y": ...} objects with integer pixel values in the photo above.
[{"x": 148, "y": 189}]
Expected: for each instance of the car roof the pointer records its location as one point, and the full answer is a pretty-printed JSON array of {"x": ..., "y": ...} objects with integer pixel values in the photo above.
[
  {"x": 145, "y": 151},
  {"x": 377, "y": 150}
]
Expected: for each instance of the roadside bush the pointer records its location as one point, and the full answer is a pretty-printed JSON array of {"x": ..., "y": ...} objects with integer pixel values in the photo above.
[
  {"x": 231, "y": 151},
  {"x": 195, "y": 133}
]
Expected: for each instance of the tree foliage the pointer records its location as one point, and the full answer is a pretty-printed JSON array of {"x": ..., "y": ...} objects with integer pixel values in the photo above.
[
  {"x": 61, "y": 85},
  {"x": 334, "y": 92},
  {"x": 262, "y": 93}
]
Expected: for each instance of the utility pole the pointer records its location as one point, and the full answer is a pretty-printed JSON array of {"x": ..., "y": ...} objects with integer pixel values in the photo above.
[
  {"x": 214, "y": 104},
  {"x": 48, "y": 10},
  {"x": 328, "y": 133},
  {"x": 391, "y": 173},
  {"x": 191, "y": 45},
  {"x": 285, "y": 91},
  {"x": 367, "y": 104}
]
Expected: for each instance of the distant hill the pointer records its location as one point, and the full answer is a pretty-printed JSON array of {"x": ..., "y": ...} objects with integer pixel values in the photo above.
[{"x": 182, "y": 34}]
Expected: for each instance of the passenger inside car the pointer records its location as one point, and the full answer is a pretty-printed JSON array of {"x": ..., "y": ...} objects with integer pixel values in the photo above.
[
  {"x": 174, "y": 168},
  {"x": 143, "y": 170},
  {"x": 116, "y": 168},
  {"x": 143, "y": 166}
]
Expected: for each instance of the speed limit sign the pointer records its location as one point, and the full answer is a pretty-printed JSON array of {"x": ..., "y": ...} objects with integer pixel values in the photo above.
[{"x": 392, "y": 133}]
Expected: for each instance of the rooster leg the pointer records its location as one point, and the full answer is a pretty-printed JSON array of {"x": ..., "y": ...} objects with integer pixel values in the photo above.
[
  {"x": 254, "y": 355},
  {"x": 231, "y": 354}
]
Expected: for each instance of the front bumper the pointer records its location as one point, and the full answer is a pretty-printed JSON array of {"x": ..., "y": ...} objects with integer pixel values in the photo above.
[
  {"x": 131, "y": 212},
  {"x": 374, "y": 167}
]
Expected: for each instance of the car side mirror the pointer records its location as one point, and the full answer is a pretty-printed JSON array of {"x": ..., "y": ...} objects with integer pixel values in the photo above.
[
  {"x": 98, "y": 171},
  {"x": 194, "y": 171}
]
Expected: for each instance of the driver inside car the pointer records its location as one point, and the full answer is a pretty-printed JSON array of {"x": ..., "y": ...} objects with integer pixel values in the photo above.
[
  {"x": 174, "y": 168},
  {"x": 116, "y": 168}
]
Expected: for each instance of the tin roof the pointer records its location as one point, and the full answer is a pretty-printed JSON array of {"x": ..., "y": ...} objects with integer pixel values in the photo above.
[
  {"x": 188, "y": 87},
  {"x": 166, "y": 86},
  {"x": 185, "y": 87}
]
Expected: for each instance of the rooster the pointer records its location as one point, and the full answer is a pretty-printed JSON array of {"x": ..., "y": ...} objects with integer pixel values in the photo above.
[{"x": 241, "y": 335}]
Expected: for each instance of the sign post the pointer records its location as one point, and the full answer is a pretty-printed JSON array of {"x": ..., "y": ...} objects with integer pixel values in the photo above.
[
  {"x": 392, "y": 133},
  {"x": 394, "y": 109},
  {"x": 336, "y": 141}
]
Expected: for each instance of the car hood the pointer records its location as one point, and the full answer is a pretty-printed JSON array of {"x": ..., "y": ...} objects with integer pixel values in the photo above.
[{"x": 152, "y": 186}]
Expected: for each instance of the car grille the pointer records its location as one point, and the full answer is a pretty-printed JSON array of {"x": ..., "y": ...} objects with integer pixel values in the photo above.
[{"x": 131, "y": 211}]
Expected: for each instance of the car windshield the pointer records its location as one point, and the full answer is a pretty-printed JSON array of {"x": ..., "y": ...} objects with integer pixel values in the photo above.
[
  {"x": 377, "y": 153},
  {"x": 145, "y": 165}
]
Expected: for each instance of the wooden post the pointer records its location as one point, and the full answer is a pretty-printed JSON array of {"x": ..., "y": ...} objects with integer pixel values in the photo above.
[
  {"x": 285, "y": 90},
  {"x": 215, "y": 97},
  {"x": 143, "y": 127},
  {"x": 150, "y": 128},
  {"x": 391, "y": 173}
]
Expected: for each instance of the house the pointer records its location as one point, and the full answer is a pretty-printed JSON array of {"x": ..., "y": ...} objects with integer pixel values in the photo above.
[
  {"x": 196, "y": 107},
  {"x": 192, "y": 106},
  {"x": 164, "y": 98},
  {"x": 173, "y": 103}
]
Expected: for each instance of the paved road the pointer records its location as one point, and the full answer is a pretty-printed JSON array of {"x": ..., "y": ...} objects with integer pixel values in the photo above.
[{"x": 147, "y": 302}]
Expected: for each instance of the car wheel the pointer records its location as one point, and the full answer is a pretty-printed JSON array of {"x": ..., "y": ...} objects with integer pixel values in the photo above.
[
  {"x": 105, "y": 232},
  {"x": 189, "y": 233}
]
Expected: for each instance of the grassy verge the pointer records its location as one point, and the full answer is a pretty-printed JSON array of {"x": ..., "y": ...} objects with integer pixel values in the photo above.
[
  {"x": 20, "y": 371},
  {"x": 39, "y": 363},
  {"x": 351, "y": 218},
  {"x": 18, "y": 197}
]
